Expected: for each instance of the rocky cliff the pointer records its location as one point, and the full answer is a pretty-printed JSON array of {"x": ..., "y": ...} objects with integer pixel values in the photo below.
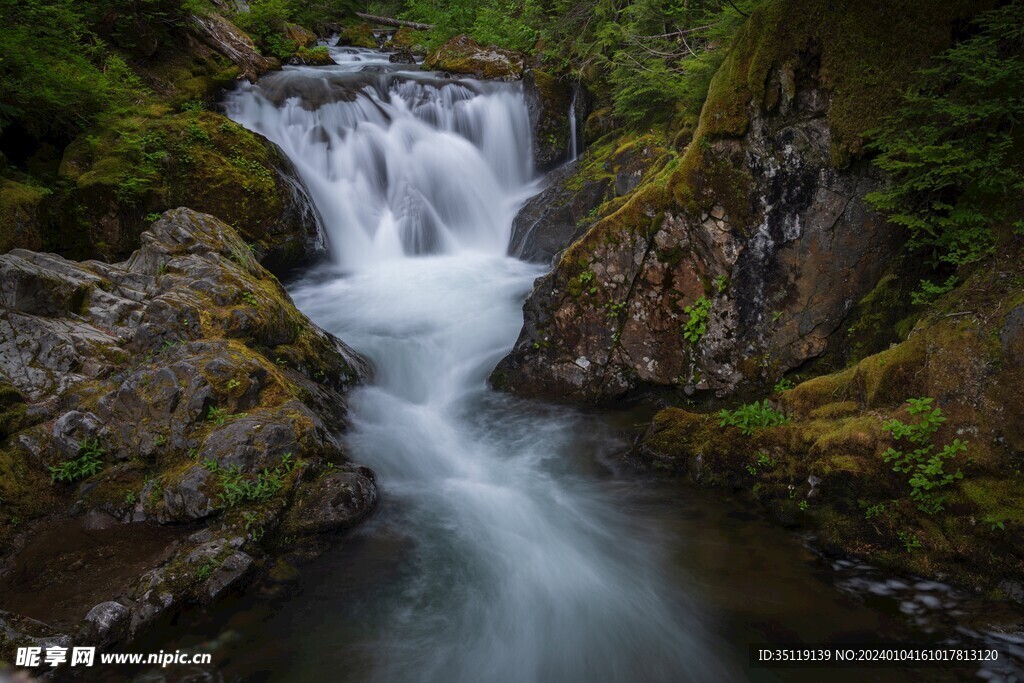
[{"x": 742, "y": 256}]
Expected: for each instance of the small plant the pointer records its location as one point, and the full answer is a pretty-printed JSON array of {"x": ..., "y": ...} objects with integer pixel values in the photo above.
[
  {"x": 206, "y": 570},
  {"x": 217, "y": 416},
  {"x": 924, "y": 465},
  {"x": 129, "y": 498},
  {"x": 288, "y": 462},
  {"x": 697, "y": 324},
  {"x": 250, "y": 298},
  {"x": 803, "y": 505},
  {"x": 211, "y": 465},
  {"x": 721, "y": 282},
  {"x": 235, "y": 488},
  {"x": 751, "y": 417},
  {"x": 927, "y": 291},
  {"x": 233, "y": 384},
  {"x": 766, "y": 462},
  {"x": 160, "y": 440},
  {"x": 910, "y": 541},
  {"x": 586, "y": 277},
  {"x": 763, "y": 463},
  {"x": 88, "y": 463},
  {"x": 782, "y": 385},
  {"x": 615, "y": 308},
  {"x": 874, "y": 511}
]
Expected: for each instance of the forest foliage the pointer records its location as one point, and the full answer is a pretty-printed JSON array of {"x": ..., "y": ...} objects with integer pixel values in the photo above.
[
  {"x": 953, "y": 151},
  {"x": 652, "y": 59}
]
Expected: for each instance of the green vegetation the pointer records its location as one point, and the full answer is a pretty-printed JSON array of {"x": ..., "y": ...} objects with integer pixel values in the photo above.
[
  {"x": 649, "y": 60},
  {"x": 924, "y": 465},
  {"x": 697, "y": 324},
  {"x": 751, "y": 417},
  {"x": 236, "y": 488},
  {"x": 88, "y": 463},
  {"x": 952, "y": 151}
]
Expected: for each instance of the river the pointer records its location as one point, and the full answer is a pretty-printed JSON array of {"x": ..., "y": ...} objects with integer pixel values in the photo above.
[{"x": 508, "y": 546}]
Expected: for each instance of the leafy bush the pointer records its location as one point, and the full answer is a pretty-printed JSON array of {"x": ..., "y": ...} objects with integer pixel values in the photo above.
[
  {"x": 751, "y": 417},
  {"x": 952, "y": 151},
  {"x": 923, "y": 464}
]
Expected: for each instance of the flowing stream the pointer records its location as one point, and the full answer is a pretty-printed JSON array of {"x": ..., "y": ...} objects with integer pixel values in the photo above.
[{"x": 504, "y": 549}]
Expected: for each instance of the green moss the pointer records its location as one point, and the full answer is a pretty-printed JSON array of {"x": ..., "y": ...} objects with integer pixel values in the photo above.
[
  {"x": 19, "y": 215},
  {"x": 889, "y": 377},
  {"x": 862, "y": 67},
  {"x": 358, "y": 35}
]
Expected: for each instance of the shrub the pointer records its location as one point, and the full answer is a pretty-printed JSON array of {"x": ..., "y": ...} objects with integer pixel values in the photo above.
[
  {"x": 952, "y": 150},
  {"x": 924, "y": 465}
]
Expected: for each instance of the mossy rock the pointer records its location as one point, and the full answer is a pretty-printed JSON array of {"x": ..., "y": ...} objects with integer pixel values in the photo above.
[
  {"x": 20, "y": 215},
  {"x": 358, "y": 35},
  {"x": 126, "y": 172},
  {"x": 408, "y": 39},
  {"x": 463, "y": 55}
]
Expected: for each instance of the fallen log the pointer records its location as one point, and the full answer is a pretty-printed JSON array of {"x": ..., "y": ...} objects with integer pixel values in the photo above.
[{"x": 388, "y": 21}]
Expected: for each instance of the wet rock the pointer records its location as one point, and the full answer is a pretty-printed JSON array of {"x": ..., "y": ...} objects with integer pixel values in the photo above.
[
  {"x": 558, "y": 216},
  {"x": 335, "y": 502},
  {"x": 548, "y": 100},
  {"x": 463, "y": 55},
  {"x": 181, "y": 363},
  {"x": 402, "y": 55},
  {"x": 105, "y": 623},
  {"x": 229, "y": 574}
]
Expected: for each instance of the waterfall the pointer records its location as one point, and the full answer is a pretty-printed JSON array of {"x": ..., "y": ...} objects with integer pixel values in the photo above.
[
  {"x": 509, "y": 563},
  {"x": 398, "y": 166},
  {"x": 573, "y": 135}
]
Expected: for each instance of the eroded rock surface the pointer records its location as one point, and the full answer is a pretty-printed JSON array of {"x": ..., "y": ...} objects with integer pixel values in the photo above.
[
  {"x": 205, "y": 396},
  {"x": 763, "y": 225}
]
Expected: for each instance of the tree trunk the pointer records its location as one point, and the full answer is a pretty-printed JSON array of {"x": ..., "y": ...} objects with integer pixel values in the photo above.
[{"x": 388, "y": 21}]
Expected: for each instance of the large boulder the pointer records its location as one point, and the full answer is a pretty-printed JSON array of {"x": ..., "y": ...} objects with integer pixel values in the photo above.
[
  {"x": 198, "y": 392},
  {"x": 463, "y": 55},
  {"x": 575, "y": 195},
  {"x": 207, "y": 163},
  {"x": 744, "y": 255}
]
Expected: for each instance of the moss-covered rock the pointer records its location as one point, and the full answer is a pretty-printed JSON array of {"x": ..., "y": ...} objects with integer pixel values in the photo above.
[
  {"x": 197, "y": 390},
  {"x": 463, "y": 55},
  {"x": 408, "y": 39},
  {"x": 830, "y": 455},
  {"x": 121, "y": 174},
  {"x": 357, "y": 35},
  {"x": 20, "y": 215},
  {"x": 548, "y": 99},
  {"x": 763, "y": 214}
]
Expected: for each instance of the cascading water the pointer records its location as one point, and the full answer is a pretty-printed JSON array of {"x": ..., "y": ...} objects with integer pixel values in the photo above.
[
  {"x": 573, "y": 135},
  {"x": 515, "y": 569}
]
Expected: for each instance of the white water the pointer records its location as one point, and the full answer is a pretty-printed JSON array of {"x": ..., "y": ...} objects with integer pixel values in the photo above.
[
  {"x": 574, "y": 151},
  {"x": 518, "y": 568}
]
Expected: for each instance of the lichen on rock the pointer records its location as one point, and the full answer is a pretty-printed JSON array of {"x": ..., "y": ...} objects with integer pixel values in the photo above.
[{"x": 206, "y": 397}]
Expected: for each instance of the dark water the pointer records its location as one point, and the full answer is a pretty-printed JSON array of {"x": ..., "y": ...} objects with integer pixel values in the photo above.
[{"x": 508, "y": 546}]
